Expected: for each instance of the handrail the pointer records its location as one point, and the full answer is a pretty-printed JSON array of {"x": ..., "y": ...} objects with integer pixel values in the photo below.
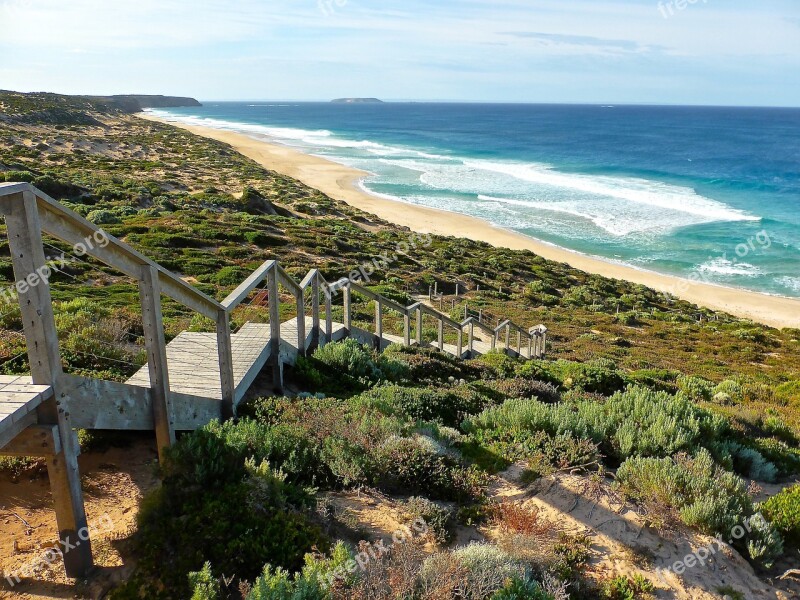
[
  {"x": 237, "y": 296},
  {"x": 68, "y": 226}
]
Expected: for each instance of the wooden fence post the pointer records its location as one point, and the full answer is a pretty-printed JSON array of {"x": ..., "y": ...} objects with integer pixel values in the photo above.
[
  {"x": 225, "y": 355},
  {"x": 346, "y": 307},
  {"x": 153, "y": 326},
  {"x": 441, "y": 335},
  {"x": 328, "y": 315},
  {"x": 300, "y": 304},
  {"x": 406, "y": 329},
  {"x": 379, "y": 323},
  {"x": 315, "y": 331},
  {"x": 41, "y": 337},
  {"x": 275, "y": 329},
  {"x": 419, "y": 326},
  {"x": 471, "y": 339}
]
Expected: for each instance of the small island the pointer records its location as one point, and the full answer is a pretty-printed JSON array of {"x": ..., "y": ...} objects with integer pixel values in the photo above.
[{"x": 357, "y": 101}]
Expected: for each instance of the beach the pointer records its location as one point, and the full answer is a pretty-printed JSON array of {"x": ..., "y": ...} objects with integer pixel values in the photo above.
[{"x": 343, "y": 183}]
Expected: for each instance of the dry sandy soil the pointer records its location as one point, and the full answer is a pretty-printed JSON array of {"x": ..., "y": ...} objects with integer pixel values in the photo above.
[{"x": 622, "y": 544}]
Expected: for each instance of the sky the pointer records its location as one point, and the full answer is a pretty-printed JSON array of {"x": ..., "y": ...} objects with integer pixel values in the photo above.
[{"x": 721, "y": 52}]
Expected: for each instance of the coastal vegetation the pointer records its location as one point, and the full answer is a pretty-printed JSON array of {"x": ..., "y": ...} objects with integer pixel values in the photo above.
[{"x": 676, "y": 410}]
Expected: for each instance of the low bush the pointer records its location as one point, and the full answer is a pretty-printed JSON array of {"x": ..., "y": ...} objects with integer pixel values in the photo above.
[
  {"x": 446, "y": 406},
  {"x": 702, "y": 495},
  {"x": 522, "y": 589},
  {"x": 636, "y": 422},
  {"x": 520, "y": 387},
  {"x": 626, "y": 588},
  {"x": 783, "y": 511},
  {"x": 440, "y": 520}
]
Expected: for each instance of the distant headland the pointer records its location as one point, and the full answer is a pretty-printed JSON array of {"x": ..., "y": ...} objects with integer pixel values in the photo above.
[
  {"x": 357, "y": 101},
  {"x": 134, "y": 103}
]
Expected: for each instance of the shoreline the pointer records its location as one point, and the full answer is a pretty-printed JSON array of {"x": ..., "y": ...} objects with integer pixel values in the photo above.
[{"x": 344, "y": 183}]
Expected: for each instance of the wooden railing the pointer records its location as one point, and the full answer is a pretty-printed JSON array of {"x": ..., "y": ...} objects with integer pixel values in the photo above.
[{"x": 46, "y": 215}]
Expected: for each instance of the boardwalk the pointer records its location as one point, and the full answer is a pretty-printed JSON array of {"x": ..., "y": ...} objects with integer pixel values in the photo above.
[{"x": 194, "y": 378}]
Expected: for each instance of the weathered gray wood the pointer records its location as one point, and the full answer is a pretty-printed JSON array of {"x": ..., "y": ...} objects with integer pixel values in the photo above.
[
  {"x": 328, "y": 315},
  {"x": 99, "y": 404},
  {"x": 38, "y": 440},
  {"x": 227, "y": 379},
  {"x": 347, "y": 308},
  {"x": 460, "y": 344},
  {"x": 237, "y": 296},
  {"x": 152, "y": 323},
  {"x": 71, "y": 228},
  {"x": 27, "y": 255},
  {"x": 12, "y": 428},
  {"x": 315, "y": 308},
  {"x": 441, "y": 335},
  {"x": 379, "y": 322},
  {"x": 406, "y": 330},
  {"x": 419, "y": 326},
  {"x": 275, "y": 330},
  {"x": 300, "y": 305}
]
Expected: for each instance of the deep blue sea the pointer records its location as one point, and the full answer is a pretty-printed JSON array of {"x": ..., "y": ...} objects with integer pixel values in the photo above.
[{"x": 677, "y": 190}]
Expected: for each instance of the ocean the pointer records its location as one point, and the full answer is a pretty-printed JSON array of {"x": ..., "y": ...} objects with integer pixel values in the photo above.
[{"x": 701, "y": 192}]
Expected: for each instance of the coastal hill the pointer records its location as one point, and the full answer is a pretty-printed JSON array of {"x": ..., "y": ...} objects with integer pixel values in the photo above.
[
  {"x": 651, "y": 427},
  {"x": 134, "y": 103},
  {"x": 357, "y": 101}
]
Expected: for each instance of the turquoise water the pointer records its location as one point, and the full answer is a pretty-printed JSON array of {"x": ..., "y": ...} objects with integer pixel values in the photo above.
[{"x": 707, "y": 193}]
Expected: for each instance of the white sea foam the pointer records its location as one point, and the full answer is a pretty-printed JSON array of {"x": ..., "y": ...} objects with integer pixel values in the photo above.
[
  {"x": 724, "y": 266},
  {"x": 791, "y": 283}
]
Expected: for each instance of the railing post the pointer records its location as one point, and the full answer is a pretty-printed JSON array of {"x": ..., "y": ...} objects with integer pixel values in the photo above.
[
  {"x": 346, "y": 307},
  {"x": 406, "y": 329},
  {"x": 508, "y": 336},
  {"x": 441, "y": 335},
  {"x": 300, "y": 303},
  {"x": 41, "y": 337},
  {"x": 225, "y": 354},
  {"x": 530, "y": 345},
  {"x": 275, "y": 329},
  {"x": 153, "y": 326},
  {"x": 494, "y": 340},
  {"x": 471, "y": 339},
  {"x": 379, "y": 323},
  {"x": 419, "y": 326},
  {"x": 519, "y": 342},
  {"x": 315, "y": 311},
  {"x": 328, "y": 315},
  {"x": 460, "y": 344}
]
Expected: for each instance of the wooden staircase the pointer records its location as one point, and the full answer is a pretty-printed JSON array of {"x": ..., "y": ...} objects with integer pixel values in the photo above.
[{"x": 197, "y": 376}]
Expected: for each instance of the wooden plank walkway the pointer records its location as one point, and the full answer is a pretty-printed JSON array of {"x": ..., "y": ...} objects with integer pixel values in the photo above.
[
  {"x": 19, "y": 398},
  {"x": 193, "y": 360}
]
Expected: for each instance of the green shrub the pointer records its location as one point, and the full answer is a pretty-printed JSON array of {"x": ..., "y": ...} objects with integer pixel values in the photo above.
[
  {"x": 522, "y": 589},
  {"x": 204, "y": 585},
  {"x": 499, "y": 363},
  {"x": 405, "y": 465},
  {"x": 348, "y": 357},
  {"x": 626, "y": 588},
  {"x": 783, "y": 511},
  {"x": 230, "y": 276},
  {"x": 103, "y": 217},
  {"x": 702, "y": 493},
  {"x": 442, "y": 405},
  {"x": 440, "y": 520},
  {"x": 636, "y": 422},
  {"x": 599, "y": 376},
  {"x": 696, "y": 389},
  {"x": 521, "y": 387}
]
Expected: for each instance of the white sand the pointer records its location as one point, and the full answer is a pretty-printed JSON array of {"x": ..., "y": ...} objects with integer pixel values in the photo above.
[{"x": 341, "y": 182}]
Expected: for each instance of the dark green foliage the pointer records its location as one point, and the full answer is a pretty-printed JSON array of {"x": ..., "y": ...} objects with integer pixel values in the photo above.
[
  {"x": 522, "y": 589},
  {"x": 217, "y": 504},
  {"x": 439, "y": 520},
  {"x": 626, "y": 588},
  {"x": 783, "y": 511},
  {"x": 446, "y": 406}
]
